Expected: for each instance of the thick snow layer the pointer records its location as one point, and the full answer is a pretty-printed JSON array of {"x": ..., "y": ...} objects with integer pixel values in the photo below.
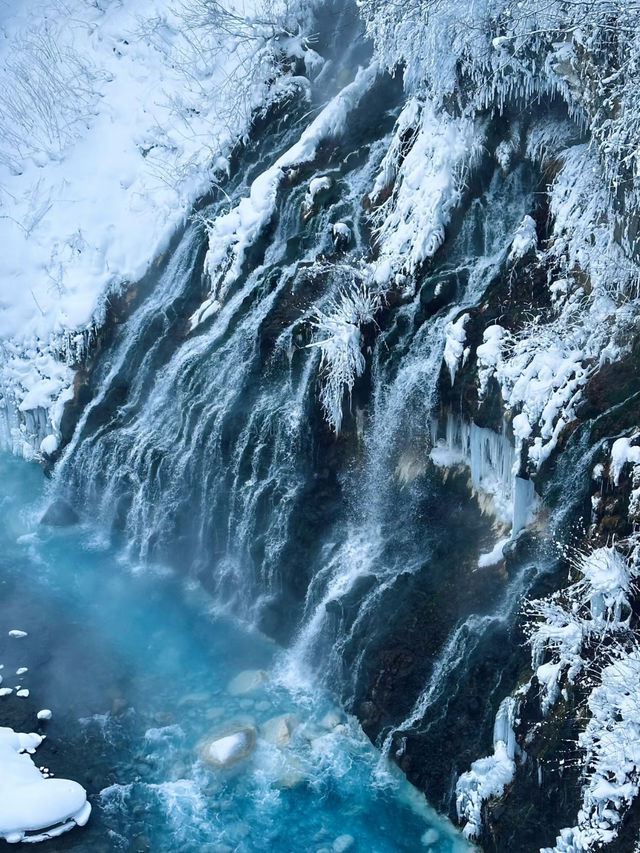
[
  {"x": 428, "y": 182},
  {"x": 32, "y": 807},
  {"x": 114, "y": 118}
]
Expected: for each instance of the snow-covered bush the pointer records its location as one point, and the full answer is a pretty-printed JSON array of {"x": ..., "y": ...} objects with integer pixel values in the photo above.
[
  {"x": 49, "y": 91},
  {"x": 596, "y": 606},
  {"x": 611, "y": 746},
  {"x": 487, "y": 53},
  {"x": 583, "y": 238},
  {"x": 338, "y": 324},
  {"x": 582, "y": 635}
]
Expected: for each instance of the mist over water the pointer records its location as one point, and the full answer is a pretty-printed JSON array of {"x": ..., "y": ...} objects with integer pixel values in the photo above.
[{"x": 136, "y": 666}]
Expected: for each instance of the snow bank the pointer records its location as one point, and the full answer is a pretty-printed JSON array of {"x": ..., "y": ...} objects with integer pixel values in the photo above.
[
  {"x": 494, "y": 556},
  {"x": 114, "y": 118},
  {"x": 32, "y": 807}
]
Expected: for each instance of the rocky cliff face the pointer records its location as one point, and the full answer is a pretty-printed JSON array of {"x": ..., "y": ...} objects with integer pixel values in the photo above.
[{"x": 381, "y": 399}]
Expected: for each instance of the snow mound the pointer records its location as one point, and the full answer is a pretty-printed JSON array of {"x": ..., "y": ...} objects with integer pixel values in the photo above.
[{"x": 33, "y": 808}]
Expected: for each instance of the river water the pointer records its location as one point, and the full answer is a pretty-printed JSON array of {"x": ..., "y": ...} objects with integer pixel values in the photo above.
[{"x": 135, "y": 666}]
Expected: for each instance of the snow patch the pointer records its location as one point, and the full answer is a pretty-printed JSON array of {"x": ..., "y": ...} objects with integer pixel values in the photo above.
[{"x": 455, "y": 337}]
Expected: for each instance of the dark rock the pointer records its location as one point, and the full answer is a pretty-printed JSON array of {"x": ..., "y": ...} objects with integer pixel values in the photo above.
[{"x": 60, "y": 514}]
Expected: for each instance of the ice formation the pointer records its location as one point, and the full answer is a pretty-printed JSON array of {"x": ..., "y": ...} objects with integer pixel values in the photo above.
[
  {"x": 492, "y": 463},
  {"x": 489, "y": 776}
]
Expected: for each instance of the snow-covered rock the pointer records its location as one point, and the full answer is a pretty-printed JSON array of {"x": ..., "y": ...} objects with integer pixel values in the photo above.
[
  {"x": 525, "y": 240},
  {"x": 429, "y": 180},
  {"x": 278, "y": 730},
  {"x": 489, "y": 776},
  {"x": 247, "y": 681},
  {"x": 225, "y": 750},
  {"x": 455, "y": 337},
  {"x": 343, "y": 843}
]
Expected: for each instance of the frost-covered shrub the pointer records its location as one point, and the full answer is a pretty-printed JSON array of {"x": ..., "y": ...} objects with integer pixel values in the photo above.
[
  {"x": 338, "y": 325},
  {"x": 48, "y": 93},
  {"x": 543, "y": 368},
  {"x": 611, "y": 745},
  {"x": 583, "y": 237},
  {"x": 470, "y": 57},
  {"x": 596, "y": 606}
]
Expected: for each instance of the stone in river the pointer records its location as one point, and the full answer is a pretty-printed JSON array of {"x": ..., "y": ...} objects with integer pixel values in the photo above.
[
  {"x": 60, "y": 514},
  {"x": 292, "y": 772},
  {"x": 227, "y": 749},
  {"x": 278, "y": 730},
  {"x": 430, "y": 837},
  {"x": 247, "y": 681},
  {"x": 343, "y": 843},
  {"x": 331, "y": 720}
]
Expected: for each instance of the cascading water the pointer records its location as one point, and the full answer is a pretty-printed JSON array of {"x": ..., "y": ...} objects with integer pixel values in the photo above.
[
  {"x": 205, "y": 446},
  {"x": 201, "y": 446}
]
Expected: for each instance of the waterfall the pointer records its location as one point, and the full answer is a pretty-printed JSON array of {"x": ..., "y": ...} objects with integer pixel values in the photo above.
[{"x": 204, "y": 446}]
